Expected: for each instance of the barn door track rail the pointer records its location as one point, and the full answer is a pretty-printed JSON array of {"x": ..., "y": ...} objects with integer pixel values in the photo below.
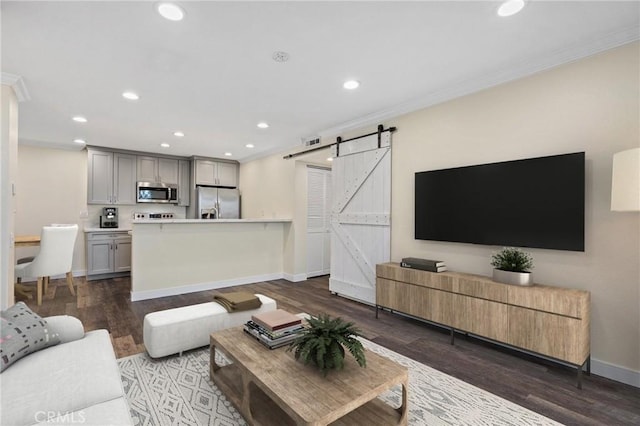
[{"x": 339, "y": 140}]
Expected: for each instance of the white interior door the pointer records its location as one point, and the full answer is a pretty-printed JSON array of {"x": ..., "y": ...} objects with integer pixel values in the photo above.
[
  {"x": 318, "y": 221},
  {"x": 360, "y": 216}
]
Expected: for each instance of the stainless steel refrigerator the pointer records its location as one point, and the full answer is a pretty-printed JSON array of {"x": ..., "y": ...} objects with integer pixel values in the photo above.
[{"x": 217, "y": 203}]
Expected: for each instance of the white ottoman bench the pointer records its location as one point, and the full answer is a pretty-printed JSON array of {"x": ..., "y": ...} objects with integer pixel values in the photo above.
[{"x": 180, "y": 329}]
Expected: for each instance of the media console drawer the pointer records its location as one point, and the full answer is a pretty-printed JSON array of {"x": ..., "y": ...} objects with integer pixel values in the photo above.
[{"x": 550, "y": 321}]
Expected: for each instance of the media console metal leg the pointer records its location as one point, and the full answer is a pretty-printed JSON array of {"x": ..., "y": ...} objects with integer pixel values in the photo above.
[
  {"x": 579, "y": 384},
  {"x": 585, "y": 365},
  {"x": 377, "y": 311},
  {"x": 453, "y": 333}
]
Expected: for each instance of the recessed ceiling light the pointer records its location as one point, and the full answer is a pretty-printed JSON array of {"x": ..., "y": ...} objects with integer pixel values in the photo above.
[
  {"x": 131, "y": 96},
  {"x": 178, "y": 134},
  {"x": 165, "y": 145},
  {"x": 228, "y": 154},
  {"x": 510, "y": 7},
  {"x": 170, "y": 11},
  {"x": 263, "y": 125},
  {"x": 330, "y": 159},
  {"x": 249, "y": 145},
  {"x": 80, "y": 141},
  {"x": 351, "y": 84},
  {"x": 79, "y": 119}
]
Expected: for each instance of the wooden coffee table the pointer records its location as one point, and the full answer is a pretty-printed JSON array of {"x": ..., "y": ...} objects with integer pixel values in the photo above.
[{"x": 269, "y": 387}]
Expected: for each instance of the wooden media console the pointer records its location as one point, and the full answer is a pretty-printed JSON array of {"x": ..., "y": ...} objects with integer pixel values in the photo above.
[{"x": 550, "y": 321}]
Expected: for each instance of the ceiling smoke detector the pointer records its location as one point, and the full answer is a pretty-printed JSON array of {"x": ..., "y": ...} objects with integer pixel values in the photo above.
[{"x": 280, "y": 56}]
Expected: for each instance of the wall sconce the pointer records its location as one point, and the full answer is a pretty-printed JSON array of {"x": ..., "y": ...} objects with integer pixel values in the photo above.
[{"x": 625, "y": 181}]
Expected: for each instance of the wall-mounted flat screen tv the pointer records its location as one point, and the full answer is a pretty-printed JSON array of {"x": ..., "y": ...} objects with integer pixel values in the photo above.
[{"x": 535, "y": 202}]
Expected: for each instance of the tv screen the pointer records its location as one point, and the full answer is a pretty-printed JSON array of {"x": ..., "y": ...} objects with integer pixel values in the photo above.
[{"x": 536, "y": 202}]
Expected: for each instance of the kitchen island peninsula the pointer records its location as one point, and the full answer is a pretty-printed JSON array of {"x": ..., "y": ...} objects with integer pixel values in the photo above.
[{"x": 177, "y": 256}]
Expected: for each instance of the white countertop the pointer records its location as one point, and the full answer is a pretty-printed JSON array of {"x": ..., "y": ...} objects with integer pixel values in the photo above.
[
  {"x": 90, "y": 229},
  {"x": 208, "y": 221}
]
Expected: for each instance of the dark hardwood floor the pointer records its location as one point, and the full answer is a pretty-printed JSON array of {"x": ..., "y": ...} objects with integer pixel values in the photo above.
[{"x": 536, "y": 384}]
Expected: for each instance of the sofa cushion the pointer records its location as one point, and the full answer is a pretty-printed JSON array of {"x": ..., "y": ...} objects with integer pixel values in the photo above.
[
  {"x": 63, "y": 379},
  {"x": 22, "y": 333}
]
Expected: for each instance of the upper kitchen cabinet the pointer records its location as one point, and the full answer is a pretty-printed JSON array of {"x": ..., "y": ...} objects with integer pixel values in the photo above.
[
  {"x": 157, "y": 169},
  {"x": 111, "y": 178},
  {"x": 184, "y": 189},
  {"x": 216, "y": 173}
]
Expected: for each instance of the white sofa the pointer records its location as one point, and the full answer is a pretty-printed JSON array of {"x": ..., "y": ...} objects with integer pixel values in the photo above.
[{"x": 74, "y": 382}]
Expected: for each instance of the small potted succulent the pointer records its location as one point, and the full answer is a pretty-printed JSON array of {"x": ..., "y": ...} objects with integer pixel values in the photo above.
[
  {"x": 324, "y": 341},
  {"x": 512, "y": 266}
]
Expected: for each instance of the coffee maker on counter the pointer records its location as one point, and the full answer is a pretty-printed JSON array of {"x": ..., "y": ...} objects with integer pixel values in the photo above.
[{"x": 109, "y": 218}]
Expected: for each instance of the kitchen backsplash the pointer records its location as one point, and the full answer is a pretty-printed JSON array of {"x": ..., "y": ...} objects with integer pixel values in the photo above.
[{"x": 125, "y": 213}]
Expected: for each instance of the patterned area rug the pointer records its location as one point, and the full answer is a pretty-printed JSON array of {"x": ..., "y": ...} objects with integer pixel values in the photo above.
[{"x": 177, "y": 391}]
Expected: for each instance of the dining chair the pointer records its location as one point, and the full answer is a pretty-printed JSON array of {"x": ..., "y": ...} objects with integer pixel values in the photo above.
[
  {"x": 55, "y": 257},
  {"x": 25, "y": 292}
]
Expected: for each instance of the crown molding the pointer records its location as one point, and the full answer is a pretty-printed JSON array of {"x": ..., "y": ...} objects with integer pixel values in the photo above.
[
  {"x": 67, "y": 146},
  {"x": 576, "y": 52},
  {"x": 18, "y": 85}
]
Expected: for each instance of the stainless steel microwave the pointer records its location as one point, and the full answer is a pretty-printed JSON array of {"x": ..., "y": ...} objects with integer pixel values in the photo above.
[{"x": 151, "y": 192}]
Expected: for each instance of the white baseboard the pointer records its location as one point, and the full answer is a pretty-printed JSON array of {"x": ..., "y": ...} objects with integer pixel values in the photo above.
[
  {"x": 294, "y": 278},
  {"x": 192, "y": 288},
  {"x": 615, "y": 372}
]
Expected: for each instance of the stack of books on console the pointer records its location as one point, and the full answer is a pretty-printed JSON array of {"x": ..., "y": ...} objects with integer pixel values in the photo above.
[
  {"x": 423, "y": 264},
  {"x": 274, "y": 328}
]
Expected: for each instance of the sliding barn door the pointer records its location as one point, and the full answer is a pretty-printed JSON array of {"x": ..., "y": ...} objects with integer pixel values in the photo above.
[{"x": 360, "y": 216}]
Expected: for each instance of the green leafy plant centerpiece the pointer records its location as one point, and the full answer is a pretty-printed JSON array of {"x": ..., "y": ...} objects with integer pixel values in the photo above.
[
  {"x": 512, "y": 266},
  {"x": 512, "y": 259},
  {"x": 323, "y": 342}
]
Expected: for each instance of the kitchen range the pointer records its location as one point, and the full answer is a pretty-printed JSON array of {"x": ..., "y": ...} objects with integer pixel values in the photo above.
[{"x": 144, "y": 216}]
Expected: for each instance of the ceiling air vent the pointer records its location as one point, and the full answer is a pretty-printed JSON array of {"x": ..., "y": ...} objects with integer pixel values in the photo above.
[{"x": 310, "y": 141}]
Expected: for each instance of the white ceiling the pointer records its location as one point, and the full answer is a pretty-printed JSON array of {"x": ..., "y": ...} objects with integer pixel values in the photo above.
[{"x": 212, "y": 76}]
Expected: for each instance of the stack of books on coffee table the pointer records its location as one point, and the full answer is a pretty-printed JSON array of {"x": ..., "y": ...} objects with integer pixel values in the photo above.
[{"x": 274, "y": 328}]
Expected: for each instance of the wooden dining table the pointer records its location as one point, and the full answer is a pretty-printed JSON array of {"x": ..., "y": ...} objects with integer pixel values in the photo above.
[{"x": 27, "y": 240}]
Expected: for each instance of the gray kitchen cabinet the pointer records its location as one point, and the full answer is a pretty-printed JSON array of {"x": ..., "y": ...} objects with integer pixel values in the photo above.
[
  {"x": 111, "y": 178},
  {"x": 157, "y": 169},
  {"x": 147, "y": 169},
  {"x": 184, "y": 189},
  {"x": 122, "y": 254},
  {"x": 216, "y": 173},
  {"x": 228, "y": 174},
  {"x": 100, "y": 177},
  {"x": 124, "y": 179},
  {"x": 108, "y": 254}
]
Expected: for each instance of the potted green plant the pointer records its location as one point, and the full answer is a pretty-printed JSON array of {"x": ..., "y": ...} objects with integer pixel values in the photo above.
[
  {"x": 324, "y": 341},
  {"x": 512, "y": 266}
]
